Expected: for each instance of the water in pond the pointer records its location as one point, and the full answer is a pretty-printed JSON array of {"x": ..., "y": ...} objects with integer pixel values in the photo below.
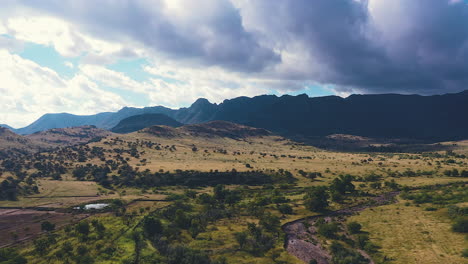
[{"x": 96, "y": 206}]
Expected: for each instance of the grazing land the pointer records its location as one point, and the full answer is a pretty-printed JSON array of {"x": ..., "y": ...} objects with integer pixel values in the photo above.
[{"x": 225, "y": 193}]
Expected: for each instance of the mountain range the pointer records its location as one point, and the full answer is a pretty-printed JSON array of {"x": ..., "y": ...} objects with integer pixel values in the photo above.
[
  {"x": 138, "y": 122},
  {"x": 437, "y": 117}
]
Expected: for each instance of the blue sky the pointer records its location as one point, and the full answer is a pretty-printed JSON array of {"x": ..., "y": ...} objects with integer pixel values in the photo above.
[{"x": 68, "y": 56}]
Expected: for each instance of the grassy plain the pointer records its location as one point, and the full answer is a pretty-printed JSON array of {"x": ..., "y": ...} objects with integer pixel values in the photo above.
[{"x": 410, "y": 234}]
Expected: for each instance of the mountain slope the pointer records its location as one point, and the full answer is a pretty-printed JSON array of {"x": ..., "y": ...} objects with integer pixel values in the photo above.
[
  {"x": 69, "y": 136},
  {"x": 6, "y": 126},
  {"x": 380, "y": 116},
  {"x": 12, "y": 143},
  {"x": 439, "y": 117},
  {"x": 106, "y": 120},
  {"x": 220, "y": 129},
  {"x": 138, "y": 122}
]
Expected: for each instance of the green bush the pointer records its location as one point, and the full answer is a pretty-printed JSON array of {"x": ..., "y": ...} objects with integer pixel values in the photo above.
[
  {"x": 328, "y": 230},
  {"x": 285, "y": 209},
  {"x": 460, "y": 225},
  {"x": 354, "y": 227}
]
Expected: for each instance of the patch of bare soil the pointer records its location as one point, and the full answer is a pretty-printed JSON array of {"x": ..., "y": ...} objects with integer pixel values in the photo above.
[
  {"x": 17, "y": 225},
  {"x": 301, "y": 235}
]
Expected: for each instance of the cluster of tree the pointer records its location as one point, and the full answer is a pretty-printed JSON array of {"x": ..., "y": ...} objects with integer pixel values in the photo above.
[
  {"x": 10, "y": 188},
  {"x": 259, "y": 239},
  {"x": 46, "y": 168},
  {"x": 95, "y": 173},
  {"x": 343, "y": 255},
  {"x": 456, "y": 173},
  {"x": 84, "y": 230},
  {"x": 11, "y": 256},
  {"x": 340, "y": 253},
  {"x": 163, "y": 228},
  {"x": 460, "y": 218},
  {"x": 310, "y": 175},
  {"x": 341, "y": 186},
  {"x": 260, "y": 200},
  {"x": 131, "y": 177},
  {"x": 438, "y": 195}
]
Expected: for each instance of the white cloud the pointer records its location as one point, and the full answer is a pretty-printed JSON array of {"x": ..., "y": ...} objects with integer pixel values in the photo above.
[
  {"x": 67, "y": 39},
  {"x": 175, "y": 84},
  {"x": 69, "y": 64},
  {"x": 29, "y": 90}
]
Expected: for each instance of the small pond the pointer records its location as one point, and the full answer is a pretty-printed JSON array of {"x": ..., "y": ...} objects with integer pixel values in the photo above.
[{"x": 95, "y": 206}]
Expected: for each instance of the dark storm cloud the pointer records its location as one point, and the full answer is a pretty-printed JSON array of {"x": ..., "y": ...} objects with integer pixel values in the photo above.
[
  {"x": 404, "y": 46},
  {"x": 409, "y": 46}
]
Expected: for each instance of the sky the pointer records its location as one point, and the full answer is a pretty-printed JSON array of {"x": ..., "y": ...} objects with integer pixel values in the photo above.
[{"x": 87, "y": 56}]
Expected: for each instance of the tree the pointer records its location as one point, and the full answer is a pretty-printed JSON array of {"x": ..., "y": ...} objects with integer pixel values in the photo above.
[
  {"x": 41, "y": 245},
  {"x": 343, "y": 184},
  {"x": 47, "y": 226},
  {"x": 10, "y": 256},
  {"x": 241, "y": 238},
  {"x": 285, "y": 209},
  {"x": 81, "y": 250},
  {"x": 362, "y": 240},
  {"x": 354, "y": 227},
  {"x": 219, "y": 192},
  {"x": 181, "y": 219},
  {"x": 328, "y": 229},
  {"x": 316, "y": 199},
  {"x": 270, "y": 222},
  {"x": 82, "y": 228},
  {"x": 460, "y": 225},
  {"x": 152, "y": 226}
]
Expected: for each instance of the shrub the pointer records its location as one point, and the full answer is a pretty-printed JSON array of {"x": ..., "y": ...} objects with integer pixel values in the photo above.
[
  {"x": 10, "y": 256},
  {"x": 354, "y": 227},
  {"x": 460, "y": 225},
  {"x": 316, "y": 199},
  {"x": 47, "y": 226},
  {"x": 328, "y": 230},
  {"x": 285, "y": 209}
]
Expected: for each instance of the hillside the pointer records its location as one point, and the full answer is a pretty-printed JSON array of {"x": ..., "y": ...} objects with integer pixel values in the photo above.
[
  {"x": 138, "y": 122},
  {"x": 433, "y": 118},
  {"x": 221, "y": 129},
  {"x": 11, "y": 142},
  {"x": 69, "y": 136},
  {"x": 6, "y": 126}
]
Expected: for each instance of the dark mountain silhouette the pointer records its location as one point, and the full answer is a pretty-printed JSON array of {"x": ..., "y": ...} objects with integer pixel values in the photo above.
[
  {"x": 438, "y": 117},
  {"x": 138, "y": 122}
]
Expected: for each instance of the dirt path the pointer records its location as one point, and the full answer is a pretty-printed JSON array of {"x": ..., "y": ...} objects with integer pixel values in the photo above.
[{"x": 302, "y": 242}]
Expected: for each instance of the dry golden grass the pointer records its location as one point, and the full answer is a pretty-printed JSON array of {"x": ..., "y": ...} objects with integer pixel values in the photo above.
[{"x": 408, "y": 234}]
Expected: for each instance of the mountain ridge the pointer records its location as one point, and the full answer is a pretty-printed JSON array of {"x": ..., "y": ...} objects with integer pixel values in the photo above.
[
  {"x": 138, "y": 122},
  {"x": 436, "y": 117}
]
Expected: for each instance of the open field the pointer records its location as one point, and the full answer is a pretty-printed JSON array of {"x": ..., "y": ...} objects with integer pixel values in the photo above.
[
  {"x": 17, "y": 225},
  {"x": 409, "y": 234}
]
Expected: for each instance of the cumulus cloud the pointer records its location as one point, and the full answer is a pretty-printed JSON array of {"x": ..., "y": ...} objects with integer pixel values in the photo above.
[{"x": 29, "y": 90}]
